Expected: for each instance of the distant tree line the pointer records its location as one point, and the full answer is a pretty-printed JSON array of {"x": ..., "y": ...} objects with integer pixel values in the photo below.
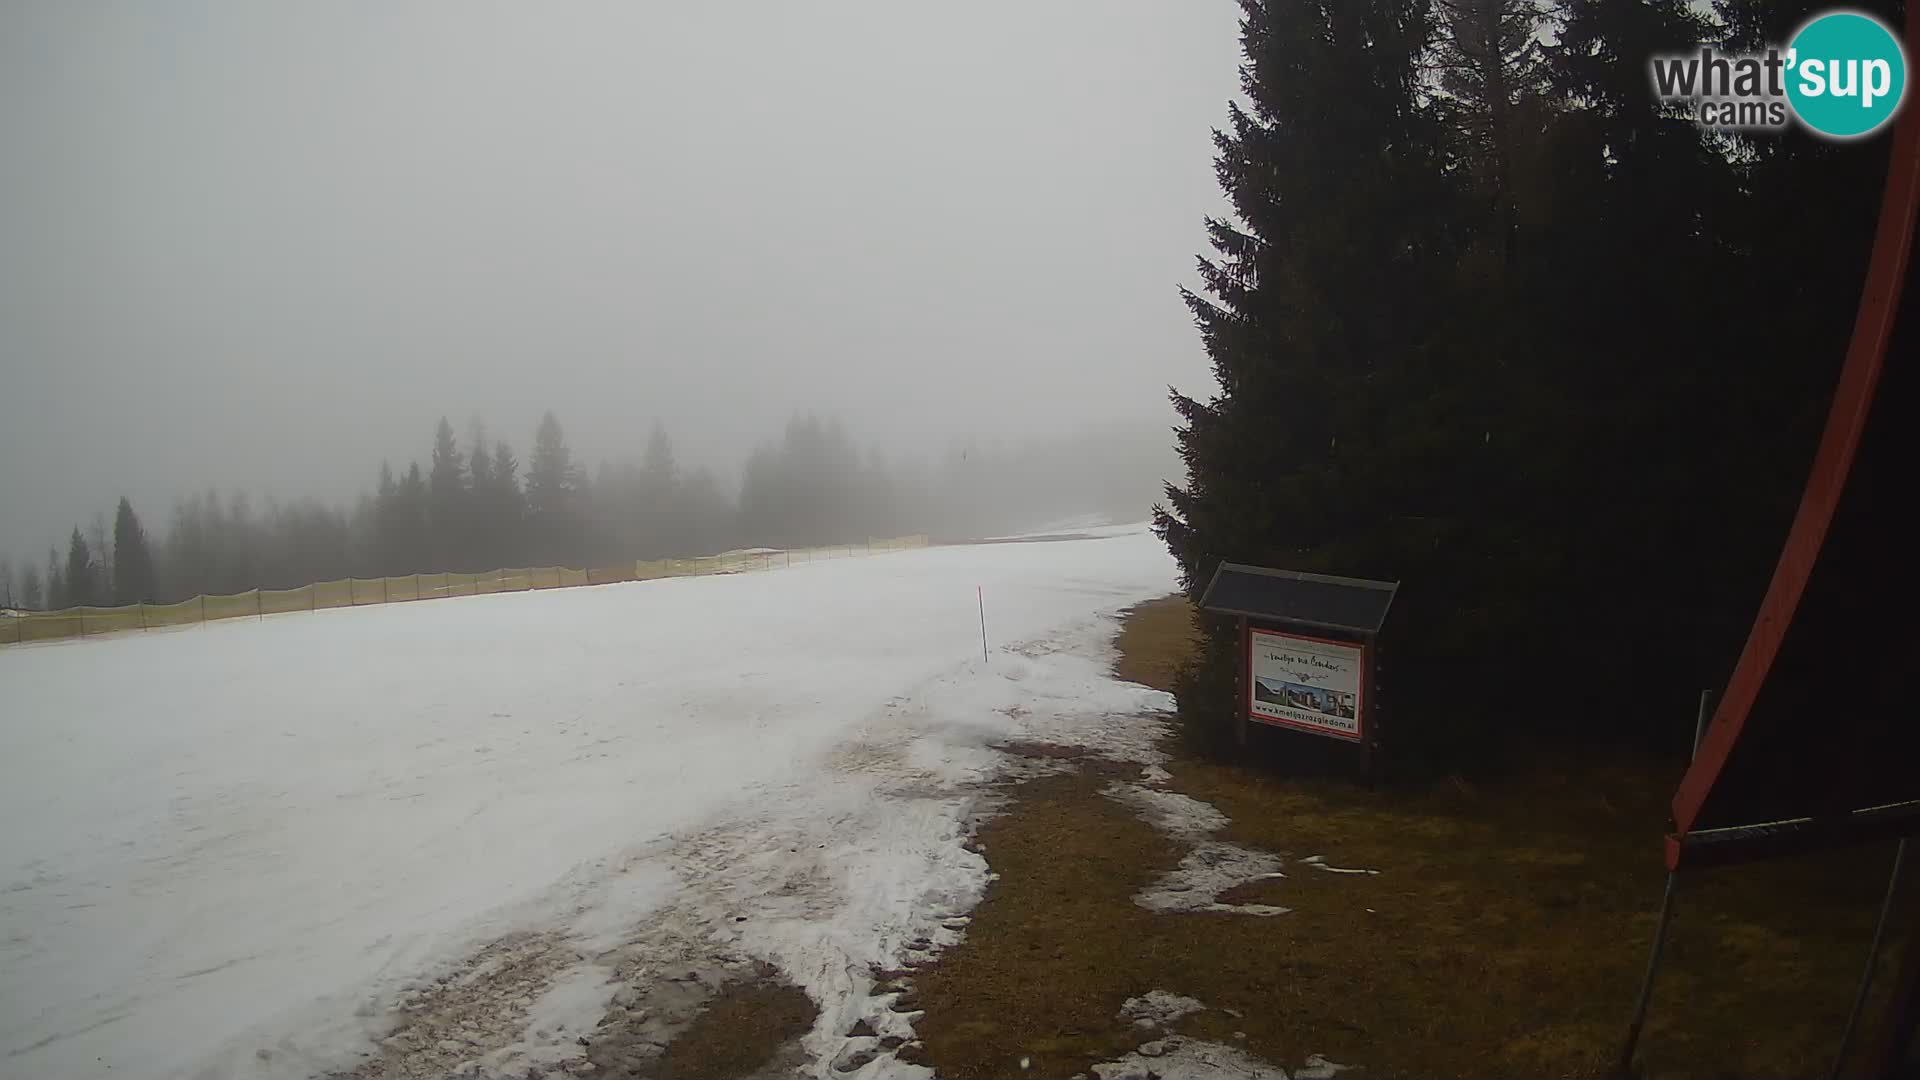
[
  {"x": 474, "y": 507},
  {"x": 1490, "y": 319}
]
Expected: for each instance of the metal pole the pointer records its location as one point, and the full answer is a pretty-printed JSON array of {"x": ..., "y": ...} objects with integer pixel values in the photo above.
[
  {"x": 1660, "y": 930},
  {"x": 1646, "y": 983},
  {"x": 980, "y": 594},
  {"x": 1700, "y": 722},
  {"x": 1873, "y": 954}
]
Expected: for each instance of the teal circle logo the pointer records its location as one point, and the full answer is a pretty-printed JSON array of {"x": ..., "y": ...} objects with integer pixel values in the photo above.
[{"x": 1846, "y": 74}]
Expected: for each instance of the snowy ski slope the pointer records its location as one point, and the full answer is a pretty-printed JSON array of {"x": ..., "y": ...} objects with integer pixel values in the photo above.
[{"x": 226, "y": 850}]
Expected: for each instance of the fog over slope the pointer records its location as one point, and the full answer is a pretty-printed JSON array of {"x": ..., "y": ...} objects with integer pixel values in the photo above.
[{"x": 265, "y": 249}]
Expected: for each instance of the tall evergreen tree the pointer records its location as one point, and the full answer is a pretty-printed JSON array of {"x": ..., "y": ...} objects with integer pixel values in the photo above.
[
  {"x": 481, "y": 547},
  {"x": 480, "y": 466},
  {"x": 659, "y": 529},
  {"x": 1493, "y": 76},
  {"x": 658, "y": 465},
  {"x": 1326, "y": 446},
  {"x": 133, "y": 581},
  {"x": 102, "y": 587},
  {"x": 79, "y": 577},
  {"x": 447, "y": 500},
  {"x": 412, "y": 509},
  {"x": 553, "y": 488},
  {"x": 505, "y": 508},
  {"x": 56, "y": 582}
]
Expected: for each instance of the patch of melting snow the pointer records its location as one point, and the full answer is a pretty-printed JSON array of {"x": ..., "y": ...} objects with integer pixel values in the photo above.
[
  {"x": 1177, "y": 1058},
  {"x": 1158, "y": 1006},
  {"x": 1211, "y": 868},
  {"x": 1171, "y": 812},
  {"x": 572, "y": 1006},
  {"x": 1319, "y": 1068},
  {"x": 1319, "y": 862}
]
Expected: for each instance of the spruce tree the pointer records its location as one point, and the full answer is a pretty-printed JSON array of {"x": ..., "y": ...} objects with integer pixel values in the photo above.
[
  {"x": 480, "y": 466},
  {"x": 56, "y": 582},
  {"x": 101, "y": 588},
  {"x": 480, "y": 546},
  {"x": 1492, "y": 75},
  {"x": 412, "y": 513},
  {"x": 505, "y": 507},
  {"x": 133, "y": 581},
  {"x": 657, "y": 494},
  {"x": 552, "y": 478},
  {"x": 447, "y": 500},
  {"x": 80, "y": 573},
  {"x": 553, "y": 486},
  {"x": 389, "y": 541},
  {"x": 1323, "y": 448}
]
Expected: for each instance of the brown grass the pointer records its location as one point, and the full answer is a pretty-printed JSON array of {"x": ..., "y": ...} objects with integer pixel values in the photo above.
[
  {"x": 746, "y": 1028},
  {"x": 1507, "y": 933},
  {"x": 1155, "y": 639}
]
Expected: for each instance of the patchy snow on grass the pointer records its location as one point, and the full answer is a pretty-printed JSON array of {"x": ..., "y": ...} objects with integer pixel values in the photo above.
[
  {"x": 1319, "y": 862},
  {"x": 1176, "y": 1058},
  {"x": 1180, "y": 816},
  {"x": 1159, "y": 1006},
  {"x": 1209, "y": 869},
  {"x": 251, "y": 841}
]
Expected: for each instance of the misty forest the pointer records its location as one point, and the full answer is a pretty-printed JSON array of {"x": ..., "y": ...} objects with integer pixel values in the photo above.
[{"x": 474, "y": 507}]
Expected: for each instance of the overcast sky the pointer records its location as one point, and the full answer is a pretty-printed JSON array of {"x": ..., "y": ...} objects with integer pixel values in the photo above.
[{"x": 264, "y": 246}]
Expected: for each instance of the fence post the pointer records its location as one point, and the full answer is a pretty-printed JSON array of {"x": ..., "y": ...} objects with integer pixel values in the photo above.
[
  {"x": 203, "y": 609},
  {"x": 143, "y": 616},
  {"x": 83, "y": 621},
  {"x": 383, "y": 589},
  {"x": 416, "y": 586},
  {"x": 259, "y": 604}
]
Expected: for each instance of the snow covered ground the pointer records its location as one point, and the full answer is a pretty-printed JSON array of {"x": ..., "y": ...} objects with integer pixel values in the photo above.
[{"x": 228, "y": 850}]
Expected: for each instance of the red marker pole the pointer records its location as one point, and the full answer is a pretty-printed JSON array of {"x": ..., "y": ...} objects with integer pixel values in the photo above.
[{"x": 982, "y": 598}]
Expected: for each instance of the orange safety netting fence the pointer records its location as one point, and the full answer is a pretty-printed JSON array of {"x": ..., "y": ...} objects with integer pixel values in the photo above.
[{"x": 22, "y": 627}]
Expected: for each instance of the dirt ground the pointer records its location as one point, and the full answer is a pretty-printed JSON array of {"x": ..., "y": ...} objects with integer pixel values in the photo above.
[{"x": 1504, "y": 934}]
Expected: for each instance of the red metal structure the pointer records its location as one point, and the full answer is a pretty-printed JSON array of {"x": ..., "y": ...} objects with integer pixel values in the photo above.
[{"x": 1816, "y": 741}]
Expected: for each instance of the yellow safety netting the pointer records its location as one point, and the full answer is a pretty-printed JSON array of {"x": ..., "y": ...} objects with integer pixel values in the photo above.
[{"x": 20, "y": 628}]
